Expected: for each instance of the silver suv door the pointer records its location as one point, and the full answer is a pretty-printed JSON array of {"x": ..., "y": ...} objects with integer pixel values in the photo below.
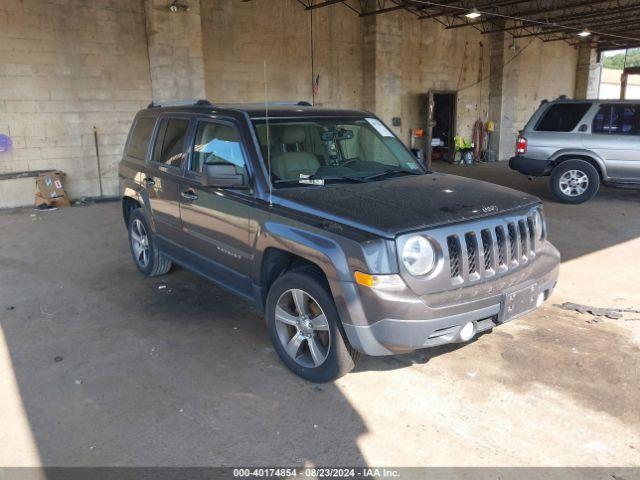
[{"x": 615, "y": 137}]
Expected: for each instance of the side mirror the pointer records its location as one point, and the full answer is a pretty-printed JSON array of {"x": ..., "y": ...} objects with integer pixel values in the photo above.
[{"x": 222, "y": 175}]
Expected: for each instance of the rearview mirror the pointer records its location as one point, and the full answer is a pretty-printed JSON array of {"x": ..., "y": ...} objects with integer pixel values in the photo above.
[{"x": 222, "y": 175}]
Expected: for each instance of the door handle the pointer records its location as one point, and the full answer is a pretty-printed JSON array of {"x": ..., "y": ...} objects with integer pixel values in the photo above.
[
  {"x": 149, "y": 181},
  {"x": 189, "y": 195}
]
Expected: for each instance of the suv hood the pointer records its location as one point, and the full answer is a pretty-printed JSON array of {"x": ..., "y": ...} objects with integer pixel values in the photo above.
[{"x": 403, "y": 204}]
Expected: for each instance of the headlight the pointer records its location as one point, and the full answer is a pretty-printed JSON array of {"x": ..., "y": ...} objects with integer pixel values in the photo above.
[
  {"x": 538, "y": 223},
  {"x": 418, "y": 255}
]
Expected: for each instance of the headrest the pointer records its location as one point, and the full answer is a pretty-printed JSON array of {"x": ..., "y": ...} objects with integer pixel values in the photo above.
[
  {"x": 221, "y": 132},
  {"x": 293, "y": 134}
]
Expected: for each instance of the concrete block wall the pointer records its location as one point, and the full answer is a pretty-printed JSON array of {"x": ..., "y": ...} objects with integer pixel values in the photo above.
[
  {"x": 239, "y": 38},
  {"x": 69, "y": 65},
  {"x": 587, "y": 72},
  {"x": 65, "y": 67},
  {"x": 175, "y": 51},
  {"x": 534, "y": 71},
  {"x": 413, "y": 57}
]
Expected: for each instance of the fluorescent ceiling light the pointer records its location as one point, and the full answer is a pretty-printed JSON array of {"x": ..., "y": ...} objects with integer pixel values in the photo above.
[
  {"x": 584, "y": 33},
  {"x": 473, "y": 14}
]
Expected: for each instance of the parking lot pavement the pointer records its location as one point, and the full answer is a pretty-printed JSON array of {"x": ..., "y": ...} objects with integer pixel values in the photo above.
[{"x": 101, "y": 366}]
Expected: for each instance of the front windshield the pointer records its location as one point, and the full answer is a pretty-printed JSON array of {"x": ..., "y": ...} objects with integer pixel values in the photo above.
[{"x": 329, "y": 150}]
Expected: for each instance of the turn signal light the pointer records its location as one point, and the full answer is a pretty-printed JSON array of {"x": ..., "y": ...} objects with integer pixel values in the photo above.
[{"x": 378, "y": 281}]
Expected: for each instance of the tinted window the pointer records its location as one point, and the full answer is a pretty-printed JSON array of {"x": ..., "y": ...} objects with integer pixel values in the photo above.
[
  {"x": 216, "y": 143},
  {"x": 562, "y": 117},
  {"x": 602, "y": 120},
  {"x": 140, "y": 136},
  {"x": 332, "y": 150},
  {"x": 169, "y": 148},
  {"x": 617, "y": 119}
]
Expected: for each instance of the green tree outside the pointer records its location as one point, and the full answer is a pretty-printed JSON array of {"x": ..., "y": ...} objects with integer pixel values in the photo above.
[{"x": 617, "y": 61}]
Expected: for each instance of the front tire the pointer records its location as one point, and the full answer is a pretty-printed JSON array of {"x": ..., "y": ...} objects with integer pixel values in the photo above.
[
  {"x": 574, "y": 181},
  {"x": 146, "y": 254},
  {"x": 305, "y": 328}
]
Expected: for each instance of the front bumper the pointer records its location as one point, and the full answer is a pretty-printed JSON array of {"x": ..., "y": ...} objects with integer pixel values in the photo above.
[
  {"x": 530, "y": 166},
  {"x": 387, "y": 323}
]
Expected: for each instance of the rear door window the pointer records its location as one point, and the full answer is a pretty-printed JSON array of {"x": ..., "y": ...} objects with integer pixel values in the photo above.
[
  {"x": 562, "y": 117},
  {"x": 170, "y": 142},
  {"x": 140, "y": 136},
  {"x": 617, "y": 119}
]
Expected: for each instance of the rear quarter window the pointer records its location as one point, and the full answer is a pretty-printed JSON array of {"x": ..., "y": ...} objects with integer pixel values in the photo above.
[
  {"x": 562, "y": 117},
  {"x": 140, "y": 137}
]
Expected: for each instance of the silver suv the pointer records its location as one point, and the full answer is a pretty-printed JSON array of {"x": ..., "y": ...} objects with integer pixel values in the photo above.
[{"x": 580, "y": 144}]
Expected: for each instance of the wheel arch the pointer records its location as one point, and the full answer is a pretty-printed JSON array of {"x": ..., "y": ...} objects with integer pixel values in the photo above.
[
  {"x": 129, "y": 204},
  {"x": 134, "y": 196},
  {"x": 276, "y": 262},
  {"x": 597, "y": 163}
]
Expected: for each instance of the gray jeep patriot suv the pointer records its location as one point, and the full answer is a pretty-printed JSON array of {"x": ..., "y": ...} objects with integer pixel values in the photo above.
[
  {"x": 580, "y": 144},
  {"x": 327, "y": 222}
]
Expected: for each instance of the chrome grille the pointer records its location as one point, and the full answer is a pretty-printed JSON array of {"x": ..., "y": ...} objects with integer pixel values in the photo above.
[
  {"x": 487, "y": 249},
  {"x": 513, "y": 238},
  {"x": 453, "y": 245},
  {"x": 490, "y": 248},
  {"x": 502, "y": 246},
  {"x": 524, "y": 239},
  {"x": 472, "y": 247},
  {"x": 532, "y": 231}
]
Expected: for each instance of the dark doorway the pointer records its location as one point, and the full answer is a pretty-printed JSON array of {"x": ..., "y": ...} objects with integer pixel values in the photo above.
[{"x": 443, "y": 125}]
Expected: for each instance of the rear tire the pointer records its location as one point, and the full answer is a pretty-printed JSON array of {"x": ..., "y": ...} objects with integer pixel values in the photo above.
[
  {"x": 316, "y": 350},
  {"x": 144, "y": 250},
  {"x": 574, "y": 181}
]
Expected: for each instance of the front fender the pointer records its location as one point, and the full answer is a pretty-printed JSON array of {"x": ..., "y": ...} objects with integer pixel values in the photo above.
[
  {"x": 317, "y": 248},
  {"x": 323, "y": 251}
]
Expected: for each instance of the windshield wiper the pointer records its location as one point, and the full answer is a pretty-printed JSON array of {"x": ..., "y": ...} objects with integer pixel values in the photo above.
[
  {"x": 391, "y": 171},
  {"x": 340, "y": 177},
  {"x": 310, "y": 180}
]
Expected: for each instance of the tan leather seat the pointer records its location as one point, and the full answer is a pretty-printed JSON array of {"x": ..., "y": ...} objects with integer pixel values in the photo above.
[{"x": 289, "y": 165}]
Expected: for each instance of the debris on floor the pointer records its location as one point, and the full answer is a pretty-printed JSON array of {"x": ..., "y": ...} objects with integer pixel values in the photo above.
[
  {"x": 50, "y": 193},
  {"x": 598, "y": 314}
]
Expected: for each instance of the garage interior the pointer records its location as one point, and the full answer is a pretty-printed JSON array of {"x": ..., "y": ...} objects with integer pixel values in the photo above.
[{"x": 100, "y": 366}]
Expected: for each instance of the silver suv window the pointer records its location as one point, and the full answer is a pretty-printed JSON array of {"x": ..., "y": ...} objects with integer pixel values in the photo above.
[
  {"x": 617, "y": 119},
  {"x": 562, "y": 117}
]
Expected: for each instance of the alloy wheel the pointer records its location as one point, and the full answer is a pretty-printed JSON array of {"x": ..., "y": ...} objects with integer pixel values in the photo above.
[
  {"x": 574, "y": 183},
  {"x": 302, "y": 327},
  {"x": 140, "y": 243}
]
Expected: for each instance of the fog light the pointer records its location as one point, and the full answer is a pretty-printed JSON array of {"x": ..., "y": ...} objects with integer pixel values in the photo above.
[
  {"x": 467, "y": 331},
  {"x": 540, "y": 299}
]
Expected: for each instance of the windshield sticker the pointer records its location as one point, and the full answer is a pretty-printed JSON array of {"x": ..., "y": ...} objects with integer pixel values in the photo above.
[
  {"x": 379, "y": 126},
  {"x": 306, "y": 179}
]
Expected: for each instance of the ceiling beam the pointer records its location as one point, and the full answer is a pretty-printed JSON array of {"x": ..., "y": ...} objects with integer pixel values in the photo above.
[
  {"x": 460, "y": 9},
  {"x": 326, "y": 3}
]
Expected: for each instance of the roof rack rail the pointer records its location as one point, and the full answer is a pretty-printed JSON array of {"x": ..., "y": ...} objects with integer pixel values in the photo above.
[
  {"x": 269, "y": 104},
  {"x": 181, "y": 103}
]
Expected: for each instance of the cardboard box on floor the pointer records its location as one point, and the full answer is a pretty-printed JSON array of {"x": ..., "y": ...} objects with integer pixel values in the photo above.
[{"x": 49, "y": 190}]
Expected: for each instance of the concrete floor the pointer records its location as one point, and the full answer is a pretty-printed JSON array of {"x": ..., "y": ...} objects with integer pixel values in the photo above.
[{"x": 100, "y": 366}]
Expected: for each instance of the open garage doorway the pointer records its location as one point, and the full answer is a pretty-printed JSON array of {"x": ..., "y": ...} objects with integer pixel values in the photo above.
[{"x": 441, "y": 126}]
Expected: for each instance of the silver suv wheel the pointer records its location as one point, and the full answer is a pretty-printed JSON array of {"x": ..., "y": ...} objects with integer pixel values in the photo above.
[
  {"x": 574, "y": 183},
  {"x": 302, "y": 328}
]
